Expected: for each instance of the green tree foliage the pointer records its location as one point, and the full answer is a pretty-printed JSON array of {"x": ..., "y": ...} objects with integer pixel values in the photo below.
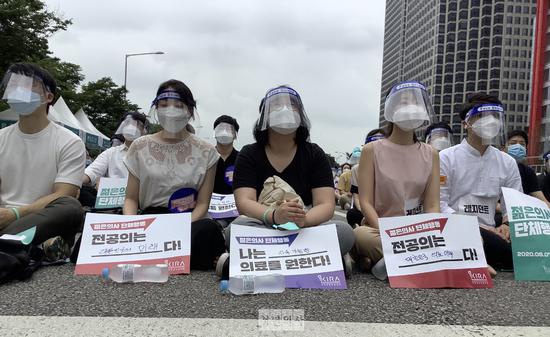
[
  {"x": 25, "y": 26},
  {"x": 105, "y": 102}
]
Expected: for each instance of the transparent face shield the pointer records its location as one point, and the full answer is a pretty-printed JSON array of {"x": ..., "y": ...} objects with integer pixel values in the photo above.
[
  {"x": 486, "y": 121},
  {"x": 225, "y": 133},
  {"x": 23, "y": 93},
  {"x": 408, "y": 106},
  {"x": 171, "y": 113},
  {"x": 283, "y": 111},
  {"x": 131, "y": 129},
  {"x": 439, "y": 139}
]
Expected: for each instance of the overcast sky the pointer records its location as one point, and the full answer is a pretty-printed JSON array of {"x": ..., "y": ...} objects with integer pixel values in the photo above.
[{"x": 230, "y": 53}]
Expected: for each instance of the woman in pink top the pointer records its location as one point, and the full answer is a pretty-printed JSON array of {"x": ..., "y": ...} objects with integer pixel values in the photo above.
[{"x": 399, "y": 175}]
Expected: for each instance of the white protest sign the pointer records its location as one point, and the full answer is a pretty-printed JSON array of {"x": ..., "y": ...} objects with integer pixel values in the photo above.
[
  {"x": 109, "y": 239},
  {"x": 434, "y": 251},
  {"x": 308, "y": 258},
  {"x": 222, "y": 206},
  {"x": 111, "y": 193}
]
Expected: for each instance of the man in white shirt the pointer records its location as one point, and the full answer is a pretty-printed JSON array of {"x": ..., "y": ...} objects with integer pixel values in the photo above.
[
  {"x": 110, "y": 162},
  {"x": 41, "y": 165},
  {"x": 473, "y": 173}
]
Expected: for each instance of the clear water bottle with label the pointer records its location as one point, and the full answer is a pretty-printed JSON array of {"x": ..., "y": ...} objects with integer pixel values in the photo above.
[
  {"x": 250, "y": 284},
  {"x": 133, "y": 273}
]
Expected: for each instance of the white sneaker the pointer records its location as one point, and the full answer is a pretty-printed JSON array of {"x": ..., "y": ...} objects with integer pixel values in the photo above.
[{"x": 379, "y": 270}]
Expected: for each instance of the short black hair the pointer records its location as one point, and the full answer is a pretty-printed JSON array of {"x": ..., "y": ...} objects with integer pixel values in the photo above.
[
  {"x": 437, "y": 125},
  {"x": 34, "y": 70},
  {"x": 344, "y": 164},
  {"x": 227, "y": 119},
  {"x": 137, "y": 116},
  {"x": 520, "y": 133},
  {"x": 476, "y": 99},
  {"x": 184, "y": 92}
]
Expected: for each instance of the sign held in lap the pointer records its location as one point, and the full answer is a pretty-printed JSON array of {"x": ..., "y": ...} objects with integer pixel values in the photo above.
[
  {"x": 529, "y": 220},
  {"x": 108, "y": 240},
  {"x": 111, "y": 193},
  {"x": 308, "y": 258},
  {"x": 434, "y": 251},
  {"x": 223, "y": 206}
]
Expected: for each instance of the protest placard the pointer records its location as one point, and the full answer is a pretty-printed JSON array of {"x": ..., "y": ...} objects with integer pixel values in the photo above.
[
  {"x": 529, "y": 220},
  {"x": 222, "y": 206},
  {"x": 434, "y": 251},
  {"x": 109, "y": 239},
  {"x": 111, "y": 193},
  {"x": 308, "y": 258}
]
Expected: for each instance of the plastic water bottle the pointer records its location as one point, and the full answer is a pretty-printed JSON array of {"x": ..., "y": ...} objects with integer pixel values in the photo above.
[
  {"x": 379, "y": 270},
  {"x": 249, "y": 284},
  {"x": 133, "y": 273}
]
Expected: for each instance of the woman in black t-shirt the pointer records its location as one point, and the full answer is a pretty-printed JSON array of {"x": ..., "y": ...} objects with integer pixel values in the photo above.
[{"x": 283, "y": 149}]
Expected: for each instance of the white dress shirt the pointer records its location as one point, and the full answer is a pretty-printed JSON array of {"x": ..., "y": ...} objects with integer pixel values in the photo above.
[
  {"x": 110, "y": 164},
  {"x": 471, "y": 183}
]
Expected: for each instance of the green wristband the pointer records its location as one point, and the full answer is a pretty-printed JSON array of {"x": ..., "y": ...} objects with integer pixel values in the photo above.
[{"x": 16, "y": 212}]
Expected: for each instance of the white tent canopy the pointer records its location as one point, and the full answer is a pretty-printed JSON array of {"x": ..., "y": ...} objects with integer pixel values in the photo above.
[
  {"x": 83, "y": 119},
  {"x": 66, "y": 115}
]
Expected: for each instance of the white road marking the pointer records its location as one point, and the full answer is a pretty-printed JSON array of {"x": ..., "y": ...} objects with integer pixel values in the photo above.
[{"x": 137, "y": 326}]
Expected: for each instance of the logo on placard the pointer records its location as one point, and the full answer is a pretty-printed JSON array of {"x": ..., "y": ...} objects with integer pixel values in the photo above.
[
  {"x": 478, "y": 278},
  {"x": 176, "y": 265},
  {"x": 329, "y": 281}
]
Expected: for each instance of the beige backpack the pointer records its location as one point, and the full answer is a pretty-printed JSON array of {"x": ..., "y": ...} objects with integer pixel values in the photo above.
[{"x": 276, "y": 191}]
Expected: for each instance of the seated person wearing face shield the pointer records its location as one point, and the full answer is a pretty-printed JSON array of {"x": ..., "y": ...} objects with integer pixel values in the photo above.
[
  {"x": 282, "y": 149},
  {"x": 397, "y": 176},
  {"x": 516, "y": 147},
  {"x": 343, "y": 192},
  {"x": 110, "y": 162},
  {"x": 225, "y": 132},
  {"x": 544, "y": 178},
  {"x": 41, "y": 165},
  {"x": 173, "y": 171},
  {"x": 474, "y": 171},
  {"x": 354, "y": 216},
  {"x": 439, "y": 135}
]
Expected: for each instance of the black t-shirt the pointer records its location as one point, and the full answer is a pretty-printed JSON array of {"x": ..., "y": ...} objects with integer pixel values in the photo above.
[
  {"x": 544, "y": 184},
  {"x": 224, "y": 174},
  {"x": 309, "y": 169},
  {"x": 528, "y": 179}
]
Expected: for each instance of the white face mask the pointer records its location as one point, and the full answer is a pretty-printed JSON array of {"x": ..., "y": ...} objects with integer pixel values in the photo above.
[
  {"x": 224, "y": 136},
  {"x": 26, "y": 108},
  {"x": 224, "y": 139},
  {"x": 173, "y": 119},
  {"x": 410, "y": 117},
  {"x": 284, "y": 121},
  {"x": 440, "y": 143},
  {"x": 131, "y": 132},
  {"x": 487, "y": 127}
]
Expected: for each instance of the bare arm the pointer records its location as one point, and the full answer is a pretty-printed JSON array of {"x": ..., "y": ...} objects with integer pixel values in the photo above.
[
  {"x": 59, "y": 190},
  {"x": 323, "y": 207},
  {"x": 131, "y": 204},
  {"x": 205, "y": 194},
  {"x": 366, "y": 185},
  {"x": 431, "y": 199},
  {"x": 245, "y": 198}
]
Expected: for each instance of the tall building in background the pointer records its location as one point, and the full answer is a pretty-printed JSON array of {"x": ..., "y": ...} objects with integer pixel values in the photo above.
[
  {"x": 458, "y": 47},
  {"x": 539, "y": 133}
]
